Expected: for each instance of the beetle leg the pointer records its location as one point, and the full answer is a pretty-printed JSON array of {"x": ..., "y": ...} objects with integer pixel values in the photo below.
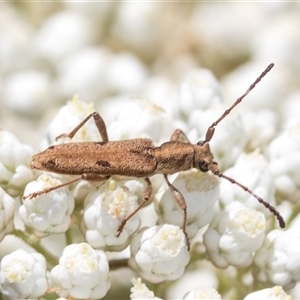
[
  {"x": 146, "y": 197},
  {"x": 181, "y": 202},
  {"x": 177, "y": 134},
  {"x": 99, "y": 123},
  {"x": 88, "y": 177}
]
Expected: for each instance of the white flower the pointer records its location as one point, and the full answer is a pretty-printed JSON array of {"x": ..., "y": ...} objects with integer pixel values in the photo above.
[
  {"x": 229, "y": 138},
  {"x": 199, "y": 90},
  {"x": 67, "y": 118},
  {"x": 82, "y": 71},
  {"x": 82, "y": 273},
  {"x": 201, "y": 101},
  {"x": 103, "y": 213},
  {"x": 260, "y": 132},
  {"x": 278, "y": 260},
  {"x": 125, "y": 73},
  {"x": 285, "y": 163},
  {"x": 149, "y": 117},
  {"x": 23, "y": 275},
  {"x": 252, "y": 171},
  {"x": 146, "y": 38},
  {"x": 50, "y": 212},
  {"x": 159, "y": 253},
  {"x": 7, "y": 212},
  {"x": 233, "y": 236},
  {"x": 69, "y": 30},
  {"x": 14, "y": 162},
  {"x": 208, "y": 293},
  {"x": 200, "y": 191},
  {"x": 28, "y": 92},
  {"x": 140, "y": 291},
  {"x": 275, "y": 293}
]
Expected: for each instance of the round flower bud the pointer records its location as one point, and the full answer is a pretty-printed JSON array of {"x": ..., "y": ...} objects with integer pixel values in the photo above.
[
  {"x": 14, "y": 162},
  {"x": 23, "y": 275},
  {"x": 50, "y": 212},
  {"x": 199, "y": 90},
  {"x": 277, "y": 261},
  {"x": 285, "y": 163},
  {"x": 159, "y": 253},
  {"x": 252, "y": 171},
  {"x": 82, "y": 273},
  {"x": 233, "y": 236},
  {"x": 103, "y": 213},
  {"x": 200, "y": 191},
  {"x": 67, "y": 118}
]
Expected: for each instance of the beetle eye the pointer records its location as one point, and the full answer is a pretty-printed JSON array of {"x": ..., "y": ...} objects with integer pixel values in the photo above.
[{"x": 203, "y": 166}]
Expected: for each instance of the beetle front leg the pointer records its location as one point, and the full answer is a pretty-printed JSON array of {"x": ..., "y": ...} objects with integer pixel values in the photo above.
[
  {"x": 146, "y": 197},
  {"x": 99, "y": 122},
  {"x": 181, "y": 202}
]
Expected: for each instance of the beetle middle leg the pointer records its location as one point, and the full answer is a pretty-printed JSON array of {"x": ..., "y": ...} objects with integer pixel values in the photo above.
[
  {"x": 181, "y": 202},
  {"x": 176, "y": 136},
  {"x": 146, "y": 197}
]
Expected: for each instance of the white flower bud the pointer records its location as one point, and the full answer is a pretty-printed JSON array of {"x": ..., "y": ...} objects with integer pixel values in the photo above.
[
  {"x": 50, "y": 212},
  {"x": 208, "y": 293},
  {"x": 14, "y": 161},
  {"x": 148, "y": 116},
  {"x": 103, "y": 212},
  {"x": 82, "y": 72},
  {"x": 82, "y": 273},
  {"x": 7, "y": 212},
  {"x": 159, "y": 253},
  {"x": 67, "y": 118},
  {"x": 285, "y": 163},
  {"x": 260, "y": 132},
  {"x": 27, "y": 92},
  {"x": 67, "y": 29},
  {"x": 233, "y": 236},
  {"x": 125, "y": 73},
  {"x": 252, "y": 171},
  {"x": 146, "y": 38},
  {"x": 275, "y": 293},
  {"x": 23, "y": 275},
  {"x": 140, "y": 291},
  {"x": 200, "y": 191},
  {"x": 277, "y": 261},
  {"x": 199, "y": 90},
  {"x": 229, "y": 140}
]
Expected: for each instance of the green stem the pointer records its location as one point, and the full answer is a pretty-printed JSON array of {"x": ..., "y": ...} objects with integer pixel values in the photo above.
[{"x": 30, "y": 239}]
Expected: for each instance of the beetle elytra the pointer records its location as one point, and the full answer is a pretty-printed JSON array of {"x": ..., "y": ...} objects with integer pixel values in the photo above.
[{"x": 97, "y": 161}]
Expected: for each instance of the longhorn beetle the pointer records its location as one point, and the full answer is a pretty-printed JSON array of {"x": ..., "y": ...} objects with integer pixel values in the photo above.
[{"x": 97, "y": 161}]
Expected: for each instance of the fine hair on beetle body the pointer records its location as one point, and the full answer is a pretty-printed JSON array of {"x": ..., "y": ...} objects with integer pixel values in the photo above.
[{"x": 98, "y": 161}]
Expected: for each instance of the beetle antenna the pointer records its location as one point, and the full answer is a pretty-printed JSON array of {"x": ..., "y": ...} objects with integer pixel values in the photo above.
[
  {"x": 211, "y": 128},
  {"x": 260, "y": 200}
]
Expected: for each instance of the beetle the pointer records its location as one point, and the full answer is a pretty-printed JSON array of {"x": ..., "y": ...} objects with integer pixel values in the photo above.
[{"x": 98, "y": 161}]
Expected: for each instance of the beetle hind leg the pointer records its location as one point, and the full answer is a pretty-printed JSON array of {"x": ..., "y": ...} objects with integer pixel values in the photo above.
[{"x": 99, "y": 122}]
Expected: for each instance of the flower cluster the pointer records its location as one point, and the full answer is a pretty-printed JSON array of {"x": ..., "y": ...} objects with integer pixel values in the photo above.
[{"x": 199, "y": 235}]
